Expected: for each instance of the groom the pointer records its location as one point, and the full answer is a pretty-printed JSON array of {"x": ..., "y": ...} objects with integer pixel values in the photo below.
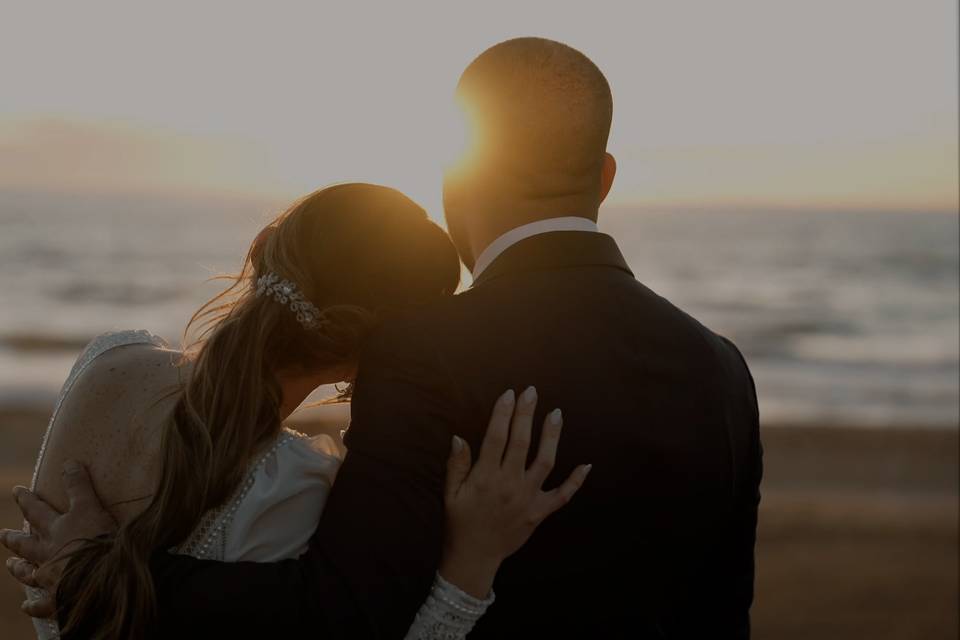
[{"x": 657, "y": 544}]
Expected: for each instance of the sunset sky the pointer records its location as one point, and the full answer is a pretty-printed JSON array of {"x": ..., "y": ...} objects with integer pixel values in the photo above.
[{"x": 784, "y": 105}]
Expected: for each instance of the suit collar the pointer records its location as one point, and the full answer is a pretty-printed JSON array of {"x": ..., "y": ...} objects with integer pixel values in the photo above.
[
  {"x": 556, "y": 250},
  {"x": 515, "y": 235}
]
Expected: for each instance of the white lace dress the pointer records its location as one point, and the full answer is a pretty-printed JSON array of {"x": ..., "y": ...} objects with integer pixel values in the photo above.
[{"x": 275, "y": 510}]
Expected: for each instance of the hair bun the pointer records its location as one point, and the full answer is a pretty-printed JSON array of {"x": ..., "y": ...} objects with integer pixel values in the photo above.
[{"x": 341, "y": 329}]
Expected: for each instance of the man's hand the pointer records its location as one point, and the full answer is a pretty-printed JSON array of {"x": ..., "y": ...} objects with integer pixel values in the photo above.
[{"x": 53, "y": 535}]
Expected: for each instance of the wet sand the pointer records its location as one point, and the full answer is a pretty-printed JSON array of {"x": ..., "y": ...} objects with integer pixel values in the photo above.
[{"x": 858, "y": 532}]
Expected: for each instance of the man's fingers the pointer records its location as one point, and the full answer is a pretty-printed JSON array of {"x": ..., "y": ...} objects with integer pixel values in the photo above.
[
  {"x": 76, "y": 482},
  {"x": 38, "y": 513},
  {"x": 23, "y": 571},
  {"x": 491, "y": 450},
  {"x": 22, "y": 544},
  {"x": 44, "y": 607},
  {"x": 547, "y": 452},
  {"x": 458, "y": 466},
  {"x": 520, "y": 432},
  {"x": 562, "y": 495}
]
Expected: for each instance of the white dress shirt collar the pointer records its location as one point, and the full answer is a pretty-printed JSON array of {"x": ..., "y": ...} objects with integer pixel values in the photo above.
[{"x": 515, "y": 235}]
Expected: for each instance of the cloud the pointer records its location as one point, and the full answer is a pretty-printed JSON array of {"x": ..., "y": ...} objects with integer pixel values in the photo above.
[
  {"x": 903, "y": 173},
  {"x": 65, "y": 154}
]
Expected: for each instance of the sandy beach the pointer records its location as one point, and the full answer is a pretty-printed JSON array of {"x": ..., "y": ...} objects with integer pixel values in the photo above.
[{"x": 858, "y": 533}]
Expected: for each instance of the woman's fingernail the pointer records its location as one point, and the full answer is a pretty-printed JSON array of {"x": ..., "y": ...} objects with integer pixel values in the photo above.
[
  {"x": 529, "y": 395},
  {"x": 9, "y": 563},
  {"x": 71, "y": 466},
  {"x": 507, "y": 397},
  {"x": 555, "y": 417},
  {"x": 586, "y": 470},
  {"x": 457, "y": 444}
]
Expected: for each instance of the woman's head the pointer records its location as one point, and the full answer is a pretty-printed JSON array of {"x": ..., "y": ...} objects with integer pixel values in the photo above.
[{"x": 355, "y": 253}]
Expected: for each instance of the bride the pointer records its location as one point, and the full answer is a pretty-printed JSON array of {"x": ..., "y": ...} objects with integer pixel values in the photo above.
[{"x": 189, "y": 450}]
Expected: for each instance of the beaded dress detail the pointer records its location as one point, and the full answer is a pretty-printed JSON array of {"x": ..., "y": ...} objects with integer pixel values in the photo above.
[
  {"x": 273, "y": 512},
  {"x": 209, "y": 540}
]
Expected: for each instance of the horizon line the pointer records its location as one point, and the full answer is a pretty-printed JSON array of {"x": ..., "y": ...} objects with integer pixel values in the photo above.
[{"x": 616, "y": 204}]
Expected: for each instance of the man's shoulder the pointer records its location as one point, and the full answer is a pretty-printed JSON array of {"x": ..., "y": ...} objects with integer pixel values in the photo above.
[
  {"x": 413, "y": 332},
  {"x": 716, "y": 356},
  {"x": 699, "y": 341},
  {"x": 719, "y": 348},
  {"x": 429, "y": 333}
]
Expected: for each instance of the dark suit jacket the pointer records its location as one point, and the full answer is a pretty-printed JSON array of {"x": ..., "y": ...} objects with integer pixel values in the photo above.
[{"x": 658, "y": 542}]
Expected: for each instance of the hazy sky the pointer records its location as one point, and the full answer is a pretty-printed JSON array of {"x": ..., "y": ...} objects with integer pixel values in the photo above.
[{"x": 813, "y": 104}]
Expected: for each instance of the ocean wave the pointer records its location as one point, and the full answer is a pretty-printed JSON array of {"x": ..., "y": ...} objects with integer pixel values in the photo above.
[
  {"x": 850, "y": 317},
  {"x": 898, "y": 351},
  {"x": 119, "y": 293}
]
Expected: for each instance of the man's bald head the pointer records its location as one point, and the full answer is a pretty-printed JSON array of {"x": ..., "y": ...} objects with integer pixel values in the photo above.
[
  {"x": 542, "y": 112},
  {"x": 541, "y": 115}
]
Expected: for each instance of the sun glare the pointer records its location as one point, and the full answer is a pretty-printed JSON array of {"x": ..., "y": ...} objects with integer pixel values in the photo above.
[
  {"x": 447, "y": 142},
  {"x": 460, "y": 135}
]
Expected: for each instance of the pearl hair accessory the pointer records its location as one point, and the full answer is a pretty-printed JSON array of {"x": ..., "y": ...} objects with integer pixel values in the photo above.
[{"x": 285, "y": 292}]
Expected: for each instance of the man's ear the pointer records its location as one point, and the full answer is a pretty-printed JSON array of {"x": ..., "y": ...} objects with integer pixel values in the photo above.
[{"x": 607, "y": 173}]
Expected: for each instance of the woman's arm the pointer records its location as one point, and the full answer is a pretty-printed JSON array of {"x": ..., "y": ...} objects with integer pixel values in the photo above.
[
  {"x": 110, "y": 420},
  {"x": 107, "y": 417},
  {"x": 492, "y": 509}
]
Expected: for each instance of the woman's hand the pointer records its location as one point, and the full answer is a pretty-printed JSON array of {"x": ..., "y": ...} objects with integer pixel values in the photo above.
[
  {"x": 42, "y": 554},
  {"x": 493, "y": 508}
]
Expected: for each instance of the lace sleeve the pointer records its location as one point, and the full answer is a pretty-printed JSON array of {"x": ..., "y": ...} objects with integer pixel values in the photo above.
[{"x": 448, "y": 613}]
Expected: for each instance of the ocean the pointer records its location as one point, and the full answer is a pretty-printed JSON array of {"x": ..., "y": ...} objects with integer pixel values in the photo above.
[{"x": 845, "y": 318}]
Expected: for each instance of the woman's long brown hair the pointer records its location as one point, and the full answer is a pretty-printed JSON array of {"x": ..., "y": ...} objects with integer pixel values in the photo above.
[{"x": 357, "y": 251}]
